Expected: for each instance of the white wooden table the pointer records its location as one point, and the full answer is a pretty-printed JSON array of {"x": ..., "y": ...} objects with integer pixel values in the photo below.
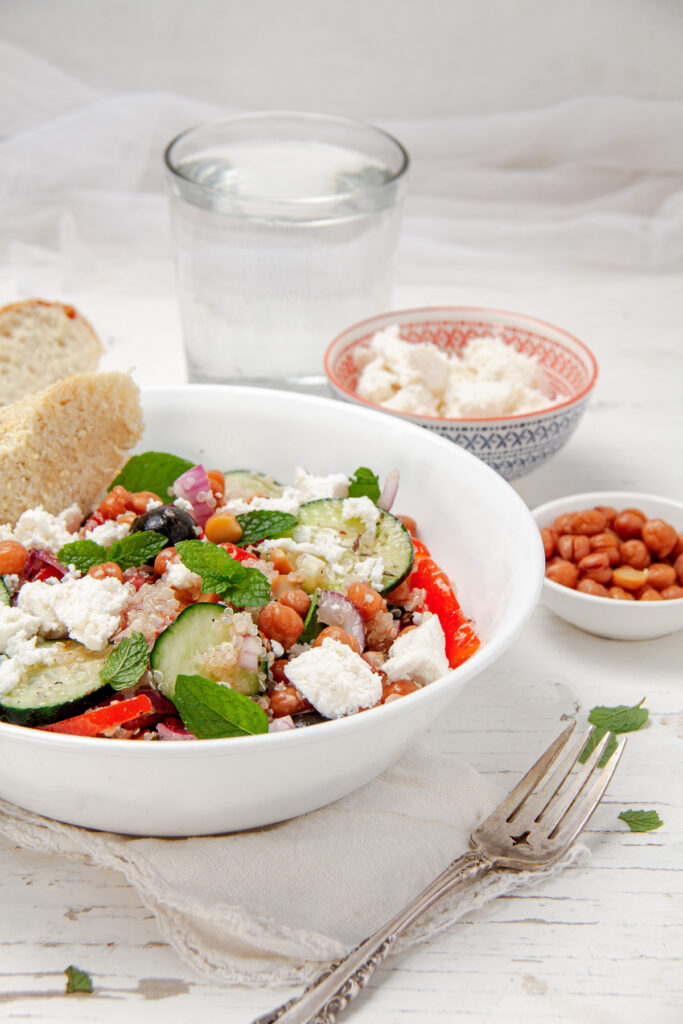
[{"x": 600, "y": 944}]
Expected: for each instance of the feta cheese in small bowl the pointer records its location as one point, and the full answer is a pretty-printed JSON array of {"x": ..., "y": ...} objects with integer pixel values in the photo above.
[{"x": 509, "y": 388}]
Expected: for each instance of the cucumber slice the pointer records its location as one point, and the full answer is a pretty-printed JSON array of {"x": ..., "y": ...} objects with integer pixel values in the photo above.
[
  {"x": 390, "y": 540},
  {"x": 68, "y": 686},
  {"x": 182, "y": 647},
  {"x": 247, "y": 483}
]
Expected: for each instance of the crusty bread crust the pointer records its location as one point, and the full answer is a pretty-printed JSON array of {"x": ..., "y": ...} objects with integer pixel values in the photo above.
[
  {"x": 66, "y": 443},
  {"x": 42, "y": 342}
]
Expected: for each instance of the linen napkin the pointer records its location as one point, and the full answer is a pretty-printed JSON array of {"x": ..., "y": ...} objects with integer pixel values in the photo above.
[{"x": 270, "y": 905}]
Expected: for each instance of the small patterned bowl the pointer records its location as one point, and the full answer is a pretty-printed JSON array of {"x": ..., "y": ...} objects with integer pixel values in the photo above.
[{"x": 512, "y": 445}]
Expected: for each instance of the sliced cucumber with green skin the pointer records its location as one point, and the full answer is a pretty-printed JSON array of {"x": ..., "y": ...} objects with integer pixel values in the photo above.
[
  {"x": 389, "y": 540},
  {"x": 246, "y": 483},
  {"x": 181, "y": 648},
  {"x": 48, "y": 693}
]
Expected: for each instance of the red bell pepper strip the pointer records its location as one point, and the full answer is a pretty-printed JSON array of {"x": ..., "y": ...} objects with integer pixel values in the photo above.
[
  {"x": 461, "y": 640},
  {"x": 421, "y": 550},
  {"x": 98, "y": 720},
  {"x": 239, "y": 554}
]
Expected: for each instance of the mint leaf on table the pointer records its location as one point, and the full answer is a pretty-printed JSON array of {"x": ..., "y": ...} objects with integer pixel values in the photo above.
[
  {"x": 83, "y": 554},
  {"x": 136, "y": 548},
  {"x": 364, "y": 483},
  {"x": 77, "y": 980},
  {"x": 152, "y": 471},
  {"x": 621, "y": 718},
  {"x": 223, "y": 575},
  {"x": 126, "y": 663},
  {"x": 210, "y": 710},
  {"x": 641, "y": 821},
  {"x": 264, "y": 523}
]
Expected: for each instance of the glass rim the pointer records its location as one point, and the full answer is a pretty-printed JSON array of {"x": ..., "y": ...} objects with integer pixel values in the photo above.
[{"x": 302, "y": 115}]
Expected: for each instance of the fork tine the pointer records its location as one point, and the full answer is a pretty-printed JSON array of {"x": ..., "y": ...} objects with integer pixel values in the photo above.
[
  {"x": 576, "y": 816},
  {"x": 518, "y": 795},
  {"x": 559, "y": 804},
  {"x": 538, "y": 800}
]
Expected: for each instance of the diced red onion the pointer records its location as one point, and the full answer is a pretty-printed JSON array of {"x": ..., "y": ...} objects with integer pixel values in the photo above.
[
  {"x": 336, "y": 610},
  {"x": 283, "y": 724},
  {"x": 41, "y": 565},
  {"x": 250, "y": 653},
  {"x": 195, "y": 487},
  {"x": 173, "y": 729},
  {"x": 386, "y": 498}
]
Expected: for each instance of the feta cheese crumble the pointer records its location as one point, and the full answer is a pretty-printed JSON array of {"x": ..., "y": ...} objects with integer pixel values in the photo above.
[
  {"x": 335, "y": 679},
  {"x": 87, "y": 609},
  {"x": 307, "y": 487},
  {"x": 37, "y": 528},
  {"x": 418, "y": 654},
  {"x": 107, "y": 533},
  {"x": 18, "y": 631},
  {"x": 488, "y": 379}
]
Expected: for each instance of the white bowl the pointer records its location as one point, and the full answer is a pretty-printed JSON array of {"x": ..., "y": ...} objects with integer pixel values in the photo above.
[
  {"x": 478, "y": 529},
  {"x": 512, "y": 445},
  {"x": 603, "y": 616}
]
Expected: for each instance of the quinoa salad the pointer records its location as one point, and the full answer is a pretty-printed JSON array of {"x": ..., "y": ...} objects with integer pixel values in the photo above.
[{"x": 202, "y": 604}]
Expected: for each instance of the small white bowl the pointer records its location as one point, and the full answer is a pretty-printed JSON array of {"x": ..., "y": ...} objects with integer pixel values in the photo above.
[
  {"x": 512, "y": 445},
  {"x": 617, "y": 620}
]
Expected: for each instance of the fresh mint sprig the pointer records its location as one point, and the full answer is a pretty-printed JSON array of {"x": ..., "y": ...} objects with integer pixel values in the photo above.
[
  {"x": 83, "y": 554},
  {"x": 135, "y": 549},
  {"x": 211, "y": 710},
  {"x": 262, "y": 523},
  {"x": 364, "y": 483},
  {"x": 220, "y": 574},
  {"x": 152, "y": 471},
  {"x": 126, "y": 663}
]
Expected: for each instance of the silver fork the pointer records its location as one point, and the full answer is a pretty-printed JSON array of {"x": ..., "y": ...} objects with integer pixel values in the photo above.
[{"x": 531, "y": 829}]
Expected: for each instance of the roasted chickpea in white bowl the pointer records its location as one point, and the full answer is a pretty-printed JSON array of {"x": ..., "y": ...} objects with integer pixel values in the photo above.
[{"x": 614, "y": 562}]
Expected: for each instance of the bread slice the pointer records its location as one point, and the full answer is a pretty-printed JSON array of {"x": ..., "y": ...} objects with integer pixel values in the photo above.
[
  {"x": 67, "y": 443},
  {"x": 40, "y": 343}
]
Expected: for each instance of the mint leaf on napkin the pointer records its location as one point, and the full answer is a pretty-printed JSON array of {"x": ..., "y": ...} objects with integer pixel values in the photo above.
[
  {"x": 641, "y": 821},
  {"x": 152, "y": 471},
  {"x": 77, "y": 980},
  {"x": 264, "y": 523},
  {"x": 126, "y": 663},
  {"x": 83, "y": 554},
  {"x": 364, "y": 483},
  {"x": 223, "y": 575},
  {"x": 210, "y": 710}
]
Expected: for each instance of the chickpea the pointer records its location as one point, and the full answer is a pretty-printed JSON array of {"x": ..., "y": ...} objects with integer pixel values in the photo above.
[
  {"x": 222, "y": 528},
  {"x": 338, "y": 634},
  {"x": 672, "y": 593},
  {"x": 13, "y": 556},
  {"x": 399, "y": 688},
  {"x": 678, "y": 546},
  {"x": 549, "y": 539},
  {"x": 659, "y": 536},
  {"x": 280, "y": 562},
  {"x": 559, "y": 570},
  {"x": 139, "y": 501},
  {"x": 278, "y": 622},
  {"x": 368, "y": 602},
  {"x": 678, "y": 566},
  {"x": 588, "y": 522},
  {"x": 375, "y": 659},
  {"x": 628, "y": 524},
  {"x": 117, "y": 501},
  {"x": 165, "y": 556},
  {"x": 607, "y": 542},
  {"x": 296, "y": 599},
  {"x": 573, "y": 548},
  {"x": 410, "y": 524},
  {"x": 287, "y": 701},
  {"x": 278, "y": 670},
  {"x": 629, "y": 578},
  {"x": 608, "y": 512},
  {"x": 649, "y": 594},
  {"x": 105, "y": 571},
  {"x": 635, "y": 552},
  {"x": 126, "y": 517},
  {"x": 619, "y": 594},
  {"x": 217, "y": 482},
  {"x": 589, "y": 586},
  {"x": 563, "y": 523},
  {"x": 596, "y": 567},
  {"x": 661, "y": 575}
]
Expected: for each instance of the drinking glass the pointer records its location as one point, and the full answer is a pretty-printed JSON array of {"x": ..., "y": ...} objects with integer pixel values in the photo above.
[{"x": 285, "y": 229}]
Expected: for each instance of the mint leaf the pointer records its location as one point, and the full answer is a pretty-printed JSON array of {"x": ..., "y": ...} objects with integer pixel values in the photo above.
[
  {"x": 4, "y": 593},
  {"x": 264, "y": 523},
  {"x": 224, "y": 575},
  {"x": 621, "y": 718},
  {"x": 364, "y": 483},
  {"x": 126, "y": 663},
  {"x": 641, "y": 821},
  {"x": 77, "y": 980},
  {"x": 211, "y": 710},
  {"x": 311, "y": 625},
  {"x": 136, "y": 548},
  {"x": 152, "y": 471},
  {"x": 83, "y": 554}
]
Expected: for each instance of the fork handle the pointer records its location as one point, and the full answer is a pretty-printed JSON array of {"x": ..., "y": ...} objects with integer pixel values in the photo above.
[{"x": 341, "y": 981}]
